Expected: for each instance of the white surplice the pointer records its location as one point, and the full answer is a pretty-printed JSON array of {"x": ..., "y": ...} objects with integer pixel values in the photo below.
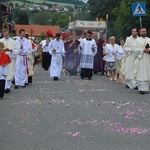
[
  {"x": 141, "y": 64},
  {"x": 127, "y": 62},
  {"x": 21, "y": 62},
  {"x": 56, "y": 61},
  {"x": 87, "y": 53},
  {"x": 10, "y": 43}
]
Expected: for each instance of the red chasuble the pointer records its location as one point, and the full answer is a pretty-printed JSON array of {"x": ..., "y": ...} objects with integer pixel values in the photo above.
[{"x": 4, "y": 59}]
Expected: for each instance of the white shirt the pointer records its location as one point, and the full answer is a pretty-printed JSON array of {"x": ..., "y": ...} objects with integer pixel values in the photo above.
[
  {"x": 111, "y": 52},
  {"x": 119, "y": 53},
  {"x": 44, "y": 46}
]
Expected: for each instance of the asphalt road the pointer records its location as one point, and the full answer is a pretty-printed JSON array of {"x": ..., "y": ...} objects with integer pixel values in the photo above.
[{"x": 74, "y": 114}]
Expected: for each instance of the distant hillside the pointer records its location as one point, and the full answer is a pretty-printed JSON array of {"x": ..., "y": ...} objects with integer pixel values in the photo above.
[
  {"x": 68, "y": 1},
  {"x": 62, "y": 2}
]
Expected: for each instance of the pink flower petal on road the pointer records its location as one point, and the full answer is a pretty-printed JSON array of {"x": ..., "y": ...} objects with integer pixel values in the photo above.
[{"x": 75, "y": 134}]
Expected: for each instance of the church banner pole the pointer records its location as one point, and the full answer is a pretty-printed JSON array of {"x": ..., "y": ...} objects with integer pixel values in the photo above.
[{"x": 106, "y": 26}]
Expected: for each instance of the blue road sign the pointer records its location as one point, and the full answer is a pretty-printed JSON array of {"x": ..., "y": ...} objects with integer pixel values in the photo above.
[{"x": 139, "y": 9}]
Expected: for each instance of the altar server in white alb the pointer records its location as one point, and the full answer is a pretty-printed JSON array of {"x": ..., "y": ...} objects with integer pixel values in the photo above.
[
  {"x": 21, "y": 61},
  {"x": 88, "y": 49},
  {"x": 57, "y": 50},
  {"x": 11, "y": 49},
  {"x": 141, "y": 48},
  {"x": 4, "y": 61},
  {"x": 46, "y": 57}
]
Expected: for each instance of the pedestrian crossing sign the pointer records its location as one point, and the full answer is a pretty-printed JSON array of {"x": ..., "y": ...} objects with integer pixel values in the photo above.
[{"x": 139, "y": 9}]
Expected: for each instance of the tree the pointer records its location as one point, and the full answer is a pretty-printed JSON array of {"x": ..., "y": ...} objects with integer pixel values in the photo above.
[
  {"x": 100, "y": 8},
  {"x": 83, "y": 15},
  {"x": 16, "y": 5},
  {"x": 42, "y": 18},
  {"x": 23, "y": 18},
  {"x": 54, "y": 17},
  {"x": 63, "y": 20},
  {"x": 11, "y": 4}
]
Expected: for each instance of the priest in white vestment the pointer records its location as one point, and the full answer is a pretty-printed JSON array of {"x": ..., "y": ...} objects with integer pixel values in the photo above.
[
  {"x": 88, "y": 49},
  {"x": 141, "y": 49},
  {"x": 57, "y": 50},
  {"x": 21, "y": 61},
  {"x": 12, "y": 50},
  {"x": 30, "y": 60},
  {"x": 128, "y": 59}
]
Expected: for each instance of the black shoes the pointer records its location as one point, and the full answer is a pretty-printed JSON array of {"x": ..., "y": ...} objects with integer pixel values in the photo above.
[
  {"x": 95, "y": 72},
  {"x": 7, "y": 91},
  {"x": 89, "y": 78},
  {"x": 56, "y": 78},
  {"x": 16, "y": 86},
  {"x": 13, "y": 82},
  {"x": 102, "y": 73},
  {"x": 141, "y": 92}
]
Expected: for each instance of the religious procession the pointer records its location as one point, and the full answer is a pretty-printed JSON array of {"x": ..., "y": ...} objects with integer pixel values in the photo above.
[
  {"x": 124, "y": 61},
  {"x": 74, "y": 75}
]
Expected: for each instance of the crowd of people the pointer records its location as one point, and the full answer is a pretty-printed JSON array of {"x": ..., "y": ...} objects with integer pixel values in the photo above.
[
  {"x": 20, "y": 68},
  {"x": 127, "y": 60}
]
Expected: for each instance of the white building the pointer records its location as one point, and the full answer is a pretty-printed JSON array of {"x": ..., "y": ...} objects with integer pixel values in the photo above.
[{"x": 85, "y": 1}]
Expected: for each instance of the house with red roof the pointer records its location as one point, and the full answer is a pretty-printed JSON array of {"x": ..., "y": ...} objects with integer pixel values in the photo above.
[{"x": 36, "y": 30}]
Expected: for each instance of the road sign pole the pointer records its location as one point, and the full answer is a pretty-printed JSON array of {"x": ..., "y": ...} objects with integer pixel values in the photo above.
[{"x": 140, "y": 18}]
